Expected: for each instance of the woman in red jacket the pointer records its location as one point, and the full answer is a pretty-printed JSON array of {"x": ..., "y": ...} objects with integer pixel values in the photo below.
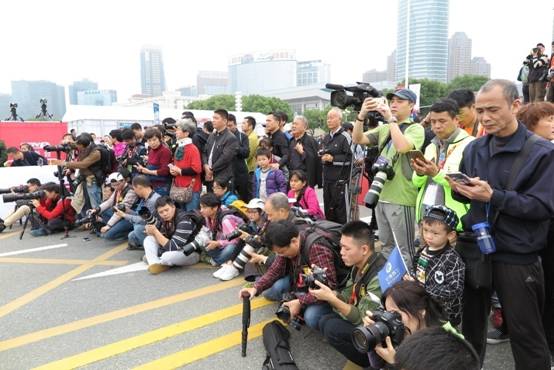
[
  {"x": 304, "y": 195},
  {"x": 187, "y": 163},
  {"x": 56, "y": 213}
]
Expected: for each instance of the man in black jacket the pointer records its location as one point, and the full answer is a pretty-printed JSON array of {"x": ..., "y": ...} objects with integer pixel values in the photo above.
[
  {"x": 279, "y": 142},
  {"x": 221, "y": 148},
  {"x": 240, "y": 170},
  {"x": 519, "y": 215},
  {"x": 336, "y": 159},
  {"x": 303, "y": 152}
]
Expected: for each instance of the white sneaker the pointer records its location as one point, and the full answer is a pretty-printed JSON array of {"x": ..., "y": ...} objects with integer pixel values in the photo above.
[
  {"x": 229, "y": 273},
  {"x": 219, "y": 272}
]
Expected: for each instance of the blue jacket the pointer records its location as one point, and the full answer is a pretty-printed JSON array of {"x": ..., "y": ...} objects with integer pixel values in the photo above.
[
  {"x": 521, "y": 229},
  {"x": 274, "y": 183}
]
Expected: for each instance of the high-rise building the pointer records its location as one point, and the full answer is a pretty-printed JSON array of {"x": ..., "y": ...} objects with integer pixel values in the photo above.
[
  {"x": 374, "y": 76},
  {"x": 77, "y": 86},
  {"x": 391, "y": 67},
  {"x": 152, "y": 72},
  {"x": 312, "y": 72},
  {"x": 188, "y": 91},
  {"x": 5, "y": 100},
  {"x": 212, "y": 82},
  {"x": 96, "y": 97},
  {"x": 27, "y": 95},
  {"x": 459, "y": 55},
  {"x": 256, "y": 73},
  {"x": 480, "y": 67},
  {"x": 428, "y": 39}
]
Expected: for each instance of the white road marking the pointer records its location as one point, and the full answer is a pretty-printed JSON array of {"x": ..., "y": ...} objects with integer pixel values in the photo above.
[
  {"x": 24, "y": 251},
  {"x": 139, "y": 266}
]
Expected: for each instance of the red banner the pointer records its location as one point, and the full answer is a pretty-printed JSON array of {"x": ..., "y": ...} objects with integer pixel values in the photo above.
[{"x": 37, "y": 134}]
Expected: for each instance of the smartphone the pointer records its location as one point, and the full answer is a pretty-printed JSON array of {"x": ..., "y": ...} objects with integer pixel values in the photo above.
[
  {"x": 416, "y": 154},
  {"x": 459, "y": 177}
]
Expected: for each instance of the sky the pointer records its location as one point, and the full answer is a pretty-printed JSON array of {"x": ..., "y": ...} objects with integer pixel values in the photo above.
[{"x": 65, "y": 41}]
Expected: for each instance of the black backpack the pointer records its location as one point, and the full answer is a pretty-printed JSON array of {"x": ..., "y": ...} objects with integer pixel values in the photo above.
[
  {"x": 327, "y": 233},
  {"x": 276, "y": 343}
]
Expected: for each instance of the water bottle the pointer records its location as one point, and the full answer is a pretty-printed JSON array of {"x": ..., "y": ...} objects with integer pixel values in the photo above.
[{"x": 484, "y": 238}]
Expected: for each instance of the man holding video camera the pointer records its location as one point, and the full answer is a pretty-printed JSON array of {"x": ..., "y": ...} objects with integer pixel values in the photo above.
[
  {"x": 163, "y": 247},
  {"x": 288, "y": 272},
  {"x": 22, "y": 208},
  {"x": 392, "y": 192}
]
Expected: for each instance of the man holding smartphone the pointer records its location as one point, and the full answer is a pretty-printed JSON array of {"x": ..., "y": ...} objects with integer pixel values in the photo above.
[
  {"x": 395, "y": 210},
  {"x": 442, "y": 156}
]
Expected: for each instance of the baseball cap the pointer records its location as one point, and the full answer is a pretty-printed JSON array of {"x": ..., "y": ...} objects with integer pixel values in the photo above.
[
  {"x": 442, "y": 213},
  {"x": 404, "y": 94},
  {"x": 114, "y": 176},
  {"x": 256, "y": 203}
]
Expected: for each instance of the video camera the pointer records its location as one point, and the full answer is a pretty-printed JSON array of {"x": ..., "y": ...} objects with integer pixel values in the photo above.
[
  {"x": 360, "y": 92},
  {"x": 15, "y": 189},
  {"x": 14, "y": 197},
  {"x": 386, "y": 324}
]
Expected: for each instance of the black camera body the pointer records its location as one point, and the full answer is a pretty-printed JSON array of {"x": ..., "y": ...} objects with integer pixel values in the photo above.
[
  {"x": 147, "y": 216},
  {"x": 386, "y": 324},
  {"x": 309, "y": 278},
  {"x": 283, "y": 312},
  {"x": 14, "y": 197}
]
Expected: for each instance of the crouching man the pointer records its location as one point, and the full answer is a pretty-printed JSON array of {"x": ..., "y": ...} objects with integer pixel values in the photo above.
[
  {"x": 287, "y": 272},
  {"x": 163, "y": 247}
]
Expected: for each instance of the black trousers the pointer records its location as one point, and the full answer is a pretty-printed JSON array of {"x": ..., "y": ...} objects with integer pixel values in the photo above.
[
  {"x": 242, "y": 186},
  {"x": 338, "y": 333},
  {"x": 547, "y": 259},
  {"x": 334, "y": 201},
  {"x": 520, "y": 289}
]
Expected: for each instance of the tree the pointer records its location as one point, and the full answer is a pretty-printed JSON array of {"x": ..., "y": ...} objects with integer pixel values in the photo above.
[
  {"x": 431, "y": 91},
  {"x": 471, "y": 82},
  {"x": 317, "y": 118},
  {"x": 250, "y": 103},
  {"x": 214, "y": 102}
]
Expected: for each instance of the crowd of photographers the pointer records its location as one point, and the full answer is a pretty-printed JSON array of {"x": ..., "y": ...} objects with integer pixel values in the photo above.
[{"x": 465, "y": 196}]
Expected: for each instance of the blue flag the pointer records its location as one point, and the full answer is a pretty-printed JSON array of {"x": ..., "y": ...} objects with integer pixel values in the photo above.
[{"x": 393, "y": 271}]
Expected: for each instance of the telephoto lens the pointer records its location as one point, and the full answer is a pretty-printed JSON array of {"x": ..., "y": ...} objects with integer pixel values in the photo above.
[{"x": 14, "y": 197}]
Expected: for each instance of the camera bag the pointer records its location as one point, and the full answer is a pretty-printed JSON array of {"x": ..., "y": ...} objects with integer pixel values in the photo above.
[{"x": 276, "y": 343}]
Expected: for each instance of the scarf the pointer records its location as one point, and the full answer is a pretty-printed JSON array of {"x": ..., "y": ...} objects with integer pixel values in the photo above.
[{"x": 181, "y": 143}]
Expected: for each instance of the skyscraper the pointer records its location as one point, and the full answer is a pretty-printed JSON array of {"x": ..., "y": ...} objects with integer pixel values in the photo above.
[
  {"x": 428, "y": 39},
  {"x": 212, "y": 82},
  {"x": 77, "y": 86},
  {"x": 480, "y": 67},
  {"x": 374, "y": 75},
  {"x": 27, "y": 95},
  {"x": 312, "y": 72},
  {"x": 459, "y": 55},
  {"x": 152, "y": 72},
  {"x": 391, "y": 67}
]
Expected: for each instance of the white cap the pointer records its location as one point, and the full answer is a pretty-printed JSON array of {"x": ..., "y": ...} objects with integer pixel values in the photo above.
[
  {"x": 114, "y": 176},
  {"x": 256, "y": 203}
]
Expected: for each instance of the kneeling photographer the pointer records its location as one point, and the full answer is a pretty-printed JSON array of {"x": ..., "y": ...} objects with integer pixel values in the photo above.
[
  {"x": 122, "y": 200},
  {"x": 22, "y": 206},
  {"x": 361, "y": 293},
  {"x": 392, "y": 192},
  {"x": 407, "y": 309},
  {"x": 56, "y": 213},
  {"x": 290, "y": 272},
  {"x": 163, "y": 247},
  {"x": 146, "y": 211}
]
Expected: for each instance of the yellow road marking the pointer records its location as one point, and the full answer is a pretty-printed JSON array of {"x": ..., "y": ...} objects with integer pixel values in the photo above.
[
  {"x": 202, "y": 350},
  {"x": 58, "y": 261},
  {"x": 114, "y": 315},
  {"x": 351, "y": 366},
  {"x": 35, "y": 293},
  {"x": 9, "y": 235},
  {"x": 150, "y": 337}
]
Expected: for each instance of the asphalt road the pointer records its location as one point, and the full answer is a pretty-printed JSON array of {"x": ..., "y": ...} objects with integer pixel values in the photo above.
[{"x": 180, "y": 318}]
